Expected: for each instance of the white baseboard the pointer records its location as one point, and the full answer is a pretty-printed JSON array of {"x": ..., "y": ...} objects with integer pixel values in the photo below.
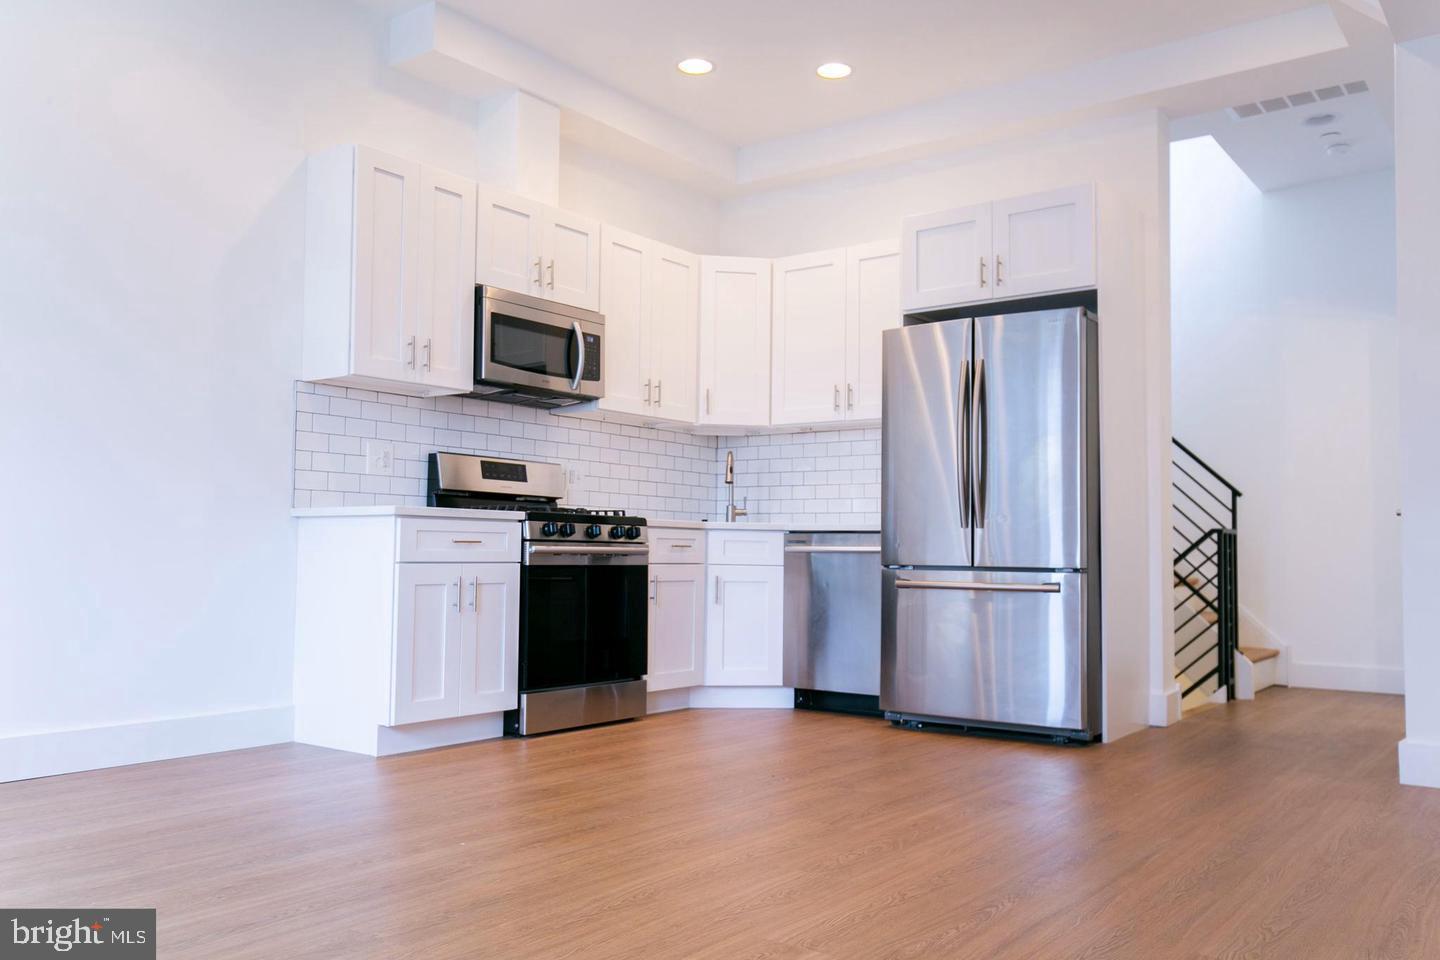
[
  {"x": 1419, "y": 762},
  {"x": 664, "y": 701},
  {"x": 742, "y": 697},
  {"x": 1165, "y": 706},
  {"x": 25, "y": 756},
  {"x": 437, "y": 733},
  {"x": 1345, "y": 676}
]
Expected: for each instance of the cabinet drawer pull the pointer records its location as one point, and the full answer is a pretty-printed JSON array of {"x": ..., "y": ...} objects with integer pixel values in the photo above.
[{"x": 459, "y": 540}]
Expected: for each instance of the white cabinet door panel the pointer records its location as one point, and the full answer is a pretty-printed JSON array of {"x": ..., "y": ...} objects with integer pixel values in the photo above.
[
  {"x": 743, "y": 628},
  {"x": 387, "y": 257},
  {"x": 572, "y": 260},
  {"x": 677, "y": 626},
  {"x": 490, "y": 639},
  {"x": 426, "y": 669},
  {"x": 808, "y": 339},
  {"x": 735, "y": 341},
  {"x": 872, "y": 280},
  {"x": 625, "y": 301},
  {"x": 446, "y": 330},
  {"x": 673, "y": 332},
  {"x": 1045, "y": 242},
  {"x": 507, "y": 251},
  {"x": 947, "y": 257}
]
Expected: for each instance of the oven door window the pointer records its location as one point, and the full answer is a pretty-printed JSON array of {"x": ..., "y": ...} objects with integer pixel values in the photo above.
[
  {"x": 539, "y": 348},
  {"x": 583, "y": 624}
]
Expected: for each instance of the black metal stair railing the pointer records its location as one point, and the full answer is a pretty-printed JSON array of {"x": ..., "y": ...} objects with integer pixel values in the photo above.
[{"x": 1207, "y": 607}]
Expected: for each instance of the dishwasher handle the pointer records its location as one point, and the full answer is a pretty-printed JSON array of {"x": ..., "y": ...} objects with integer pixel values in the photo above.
[{"x": 807, "y": 548}]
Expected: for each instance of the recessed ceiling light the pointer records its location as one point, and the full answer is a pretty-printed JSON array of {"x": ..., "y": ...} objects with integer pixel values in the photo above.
[
  {"x": 833, "y": 71},
  {"x": 695, "y": 66}
]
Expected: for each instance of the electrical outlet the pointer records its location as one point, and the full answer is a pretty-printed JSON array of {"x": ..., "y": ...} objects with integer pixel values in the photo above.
[
  {"x": 379, "y": 458},
  {"x": 574, "y": 475}
]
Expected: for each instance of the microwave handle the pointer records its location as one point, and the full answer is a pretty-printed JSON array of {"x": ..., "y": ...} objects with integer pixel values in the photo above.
[{"x": 580, "y": 362}]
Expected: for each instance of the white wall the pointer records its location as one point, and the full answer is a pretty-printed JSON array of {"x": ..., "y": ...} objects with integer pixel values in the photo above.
[
  {"x": 1127, "y": 159},
  {"x": 624, "y": 196},
  {"x": 1417, "y": 201},
  {"x": 1285, "y": 364}
]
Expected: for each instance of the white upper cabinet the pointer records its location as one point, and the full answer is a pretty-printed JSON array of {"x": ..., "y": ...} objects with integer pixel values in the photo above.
[
  {"x": 1018, "y": 247},
  {"x": 673, "y": 332},
  {"x": 572, "y": 259},
  {"x": 507, "y": 254},
  {"x": 872, "y": 306},
  {"x": 1044, "y": 242},
  {"x": 947, "y": 257},
  {"x": 808, "y": 383},
  {"x": 734, "y": 341},
  {"x": 533, "y": 248},
  {"x": 445, "y": 337},
  {"x": 625, "y": 301},
  {"x": 389, "y": 274}
]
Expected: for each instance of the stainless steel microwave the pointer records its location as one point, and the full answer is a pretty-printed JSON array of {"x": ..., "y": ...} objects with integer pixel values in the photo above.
[{"x": 536, "y": 352}]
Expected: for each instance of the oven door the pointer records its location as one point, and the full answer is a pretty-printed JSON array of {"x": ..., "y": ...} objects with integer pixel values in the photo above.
[
  {"x": 583, "y": 619},
  {"x": 523, "y": 341}
]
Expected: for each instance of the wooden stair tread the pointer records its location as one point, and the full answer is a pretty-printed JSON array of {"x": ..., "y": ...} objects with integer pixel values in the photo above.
[{"x": 1257, "y": 654}]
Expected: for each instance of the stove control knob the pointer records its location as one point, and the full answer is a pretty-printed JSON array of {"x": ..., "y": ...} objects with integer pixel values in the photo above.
[
  {"x": 592, "y": 531},
  {"x": 632, "y": 533},
  {"x": 567, "y": 529},
  {"x": 617, "y": 533},
  {"x": 550, "y": 528}
]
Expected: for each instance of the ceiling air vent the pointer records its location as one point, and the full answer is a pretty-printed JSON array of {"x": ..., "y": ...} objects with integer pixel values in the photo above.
[{"x": 1245, "y": 111}]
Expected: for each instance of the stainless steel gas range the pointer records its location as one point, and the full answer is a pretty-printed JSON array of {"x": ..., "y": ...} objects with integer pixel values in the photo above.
[{"x": 583, "y": 592}]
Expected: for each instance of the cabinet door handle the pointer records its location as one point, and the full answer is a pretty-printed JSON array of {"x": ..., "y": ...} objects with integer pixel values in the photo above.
[
  {"x": 849, "y": 396},
  {"x": 658, "y": 384},
  {"x": 427, "y": 354},
  {"x": 982, "y": 271},
  {"x": 410, "y": 345},
  {"x": 717, "y": 590},
  {"x": 998, "y": 264},
  {"x": 551, "y": 282},
  {"x": 707, "y": 399},
  {"x": 837, "y": 396},
  {"x": 654, "y": 591},
  {"x": 537, "y": 271},
  {"x": 647, "y": 393},
  {"x": 475, "y": 593},
  {"x": 459, "y": 588}
]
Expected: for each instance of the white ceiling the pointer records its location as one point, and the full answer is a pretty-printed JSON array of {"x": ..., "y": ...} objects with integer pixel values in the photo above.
[{"x": 904, "y": 52}]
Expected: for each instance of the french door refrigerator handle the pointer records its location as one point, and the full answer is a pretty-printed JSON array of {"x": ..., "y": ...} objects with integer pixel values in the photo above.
[
  {"x": 962, "y": 442},
  {"x": 981, "y": 457},
  {"x": 977, "y": 585}
]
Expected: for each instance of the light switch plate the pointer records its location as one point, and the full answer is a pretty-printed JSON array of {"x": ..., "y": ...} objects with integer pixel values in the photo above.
[{"x": 379, "y": 458}]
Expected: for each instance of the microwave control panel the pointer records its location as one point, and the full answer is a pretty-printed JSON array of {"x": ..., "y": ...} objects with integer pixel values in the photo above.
[{"x": 592, "y": 357}]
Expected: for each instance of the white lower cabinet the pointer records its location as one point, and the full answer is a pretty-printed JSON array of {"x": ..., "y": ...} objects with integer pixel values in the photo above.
[
  {"x": 677, "y": 626},
  {"x": 457, "y": 630},
  {"x": 743, "y": 625}
]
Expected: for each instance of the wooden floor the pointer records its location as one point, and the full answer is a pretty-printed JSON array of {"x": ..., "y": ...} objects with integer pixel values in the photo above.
[{"x": 1266, "y": 829}]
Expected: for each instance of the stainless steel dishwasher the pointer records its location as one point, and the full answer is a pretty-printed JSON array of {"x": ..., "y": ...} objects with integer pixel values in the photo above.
[{"x": 832, "y": 620}]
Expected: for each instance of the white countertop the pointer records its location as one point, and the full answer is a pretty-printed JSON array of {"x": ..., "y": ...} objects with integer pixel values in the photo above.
[
  {"x": 465, "y": 513},
  {"x": 449, "y": 513}
]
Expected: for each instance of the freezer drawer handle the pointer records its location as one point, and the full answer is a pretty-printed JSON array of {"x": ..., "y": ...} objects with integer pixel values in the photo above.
[
  {"x": 801, "y": 548},
  {"x": 977, "y": 585}
]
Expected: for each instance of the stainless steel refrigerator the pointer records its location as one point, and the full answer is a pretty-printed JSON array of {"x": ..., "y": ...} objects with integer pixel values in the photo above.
[{"x": 990, "y": 487}]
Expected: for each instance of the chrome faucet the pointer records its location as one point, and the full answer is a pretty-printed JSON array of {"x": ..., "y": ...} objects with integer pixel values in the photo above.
[{"x": 732, "y": 511}]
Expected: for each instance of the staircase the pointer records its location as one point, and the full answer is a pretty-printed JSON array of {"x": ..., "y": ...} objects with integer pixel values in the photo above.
[{"x": 1210, "y": 664}]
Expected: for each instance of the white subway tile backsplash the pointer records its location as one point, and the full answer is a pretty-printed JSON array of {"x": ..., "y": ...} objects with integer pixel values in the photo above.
[{"x": 828, "y": 476}]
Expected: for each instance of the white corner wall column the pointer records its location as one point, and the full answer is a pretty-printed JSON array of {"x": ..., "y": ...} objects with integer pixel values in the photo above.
[{"x": 1417, "y": 235}]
